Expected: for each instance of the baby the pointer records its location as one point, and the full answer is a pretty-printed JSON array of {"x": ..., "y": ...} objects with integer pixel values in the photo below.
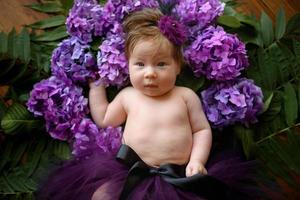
[
  {"x": 164, "y": 123},
  {"x": 166, "y": 135}
]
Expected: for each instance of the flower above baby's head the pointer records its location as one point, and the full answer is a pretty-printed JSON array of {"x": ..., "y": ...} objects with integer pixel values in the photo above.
[{"x": 152, "y": 24}]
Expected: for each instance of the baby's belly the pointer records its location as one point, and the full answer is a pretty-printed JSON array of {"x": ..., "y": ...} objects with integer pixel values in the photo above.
[{"x": 161, "y": 147}]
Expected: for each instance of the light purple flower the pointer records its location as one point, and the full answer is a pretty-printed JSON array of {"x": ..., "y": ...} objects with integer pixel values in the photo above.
[
  {"x": 217, "y": 54},
  {"x": 85, "y": 133},
  {"x": 82, "y": 19},
  {"x": 60, "y": 103},
  {"x": 226, "y": 103},
  {"x": 89, "y": 138},
  {"x": 72, "y": 60},
  {"x": 111, "y": 60},
  {"x": 109, "y": 140},
  {"x": 197, "y": 14}
]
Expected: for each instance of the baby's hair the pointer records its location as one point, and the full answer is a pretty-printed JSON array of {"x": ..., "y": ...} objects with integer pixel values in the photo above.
[{"x": 142, "y": 25}]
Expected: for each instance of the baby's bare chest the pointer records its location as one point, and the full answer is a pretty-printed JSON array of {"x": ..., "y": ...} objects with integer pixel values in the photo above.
[{"x": 168, "y": 112}]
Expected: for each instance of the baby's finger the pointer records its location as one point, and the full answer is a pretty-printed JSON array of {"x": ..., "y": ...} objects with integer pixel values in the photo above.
[
  {"x": 203, "y": 171},
  {"x": 188, "y": 172}
]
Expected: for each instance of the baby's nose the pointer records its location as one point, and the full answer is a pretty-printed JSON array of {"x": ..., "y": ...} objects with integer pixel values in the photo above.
[{"x": 150, "y": 73}]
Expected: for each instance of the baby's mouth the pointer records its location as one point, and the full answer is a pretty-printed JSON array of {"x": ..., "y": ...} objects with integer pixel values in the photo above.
[{"x": 151, "y": 86}]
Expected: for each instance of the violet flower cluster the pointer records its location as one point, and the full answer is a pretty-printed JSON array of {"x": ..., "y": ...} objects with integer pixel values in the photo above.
[
  {"x": 111, "y": 59},
  {"x": 226, "y": 103},
  {"x": 210, "y": 52},
  {"x": 83, "y": 19},
  {"x": 110, "y": 139},
  {"x": 217, "y": 55},
  {"x": 88, "y": 138},
  {"x": 60, "y": 103},
  {"x": 197, "y": 14},
  {"x": 73, "y": 60},
  {"x": 173, "y": 30}
]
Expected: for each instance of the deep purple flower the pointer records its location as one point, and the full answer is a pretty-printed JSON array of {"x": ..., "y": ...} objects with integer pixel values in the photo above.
[
  {"x": 89, "y": 138},
  {"x": 60, "y": 103},
  {"x": 217, "y": 54},
  {"x": 172, "y": 29},
  {"x": 111, "y": 60},
  {"x": 135, "y": 5},
  {"x": 82, "y": 19},
  {"x": 85, "y": 134},
  {"x": 109, "y": 140},
  {"x": 72, "y": 60},
  {"x": 233, "y": 101},
  {"x": 197, "y": 14}
]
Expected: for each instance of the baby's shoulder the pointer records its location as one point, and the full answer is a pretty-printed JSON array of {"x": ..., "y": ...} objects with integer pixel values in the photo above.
[
  {"x": 184, "y": 90},
  {"x": 187, "y": 93},
  {"x": 128, "y": 92}
]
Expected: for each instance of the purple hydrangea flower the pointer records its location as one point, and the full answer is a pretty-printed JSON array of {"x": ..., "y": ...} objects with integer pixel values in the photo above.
[
  {"x": 217, "y": 54},
  {"x": 111, "y": 59},
  {"x": 72, "y": 60},
  {"x": 197, "y": 14},
  {"x": 233, "y": 101},
  {"x": 85, "y": 134},
  {"x": 172, "y": 29},
  {"x": 88, "y": 138},
  {"x": 60, "y": 103},
  {"x": 135, "y": 5},
  {"x": 110, "y": 139},
  {"x": 82, "y": 19},
  {"x": 114, "y": 11}
]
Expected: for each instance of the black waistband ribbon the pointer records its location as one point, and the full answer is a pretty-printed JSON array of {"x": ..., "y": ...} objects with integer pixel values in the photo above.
[{"x": 203, "y": 185}]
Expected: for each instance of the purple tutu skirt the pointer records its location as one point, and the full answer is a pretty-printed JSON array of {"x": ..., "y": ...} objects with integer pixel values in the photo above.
[{"x": 102, "y": 177}]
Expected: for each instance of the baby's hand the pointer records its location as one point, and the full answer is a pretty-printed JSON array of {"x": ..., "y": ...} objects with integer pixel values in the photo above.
[{"x": 194, "y": 167}]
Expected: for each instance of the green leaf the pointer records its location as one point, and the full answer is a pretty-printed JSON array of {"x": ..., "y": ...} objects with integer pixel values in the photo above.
[
  {"x": 23, "y": 43},
  {"x": 290, "y": 104},
  {"x": 280, "y": 24},
  {"x": 229, "y": 21},
  {"x": 273, "y": 109},
  {"x": 187, "y": 79},
  {"x": 246, "y": 135},
  {"x": 267, "y": 102},
  {"x": 18, "y": 119},
  {"x": 3, "y": 43},
  {"x": 266, "y": 29},
  {"x": 46, "y": 7},
  {"x": 49, "y": 36},
  {"x": 35, "y": 156},
  {"x": 296, "y": 49},
  {"x": 12, "y": 44},
  {"x": 19, "y": 150},
  {"x": 298, "y": 89},
  {"x": 293, "y": 26},
  {"x": 67, "y": 4},
  {"x": 62, "y": 150},
  {"x": 6, "y": 150},
  {"x": 50, "y": 22}
]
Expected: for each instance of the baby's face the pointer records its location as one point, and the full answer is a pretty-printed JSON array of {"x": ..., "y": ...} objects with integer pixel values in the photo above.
[{"x": 152, "y": 68}]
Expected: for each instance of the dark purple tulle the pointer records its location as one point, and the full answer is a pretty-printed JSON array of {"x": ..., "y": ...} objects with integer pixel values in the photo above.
[{"x": 104, "y": 174}]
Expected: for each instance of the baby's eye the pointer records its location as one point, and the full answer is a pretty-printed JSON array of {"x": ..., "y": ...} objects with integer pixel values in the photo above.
[
  {"x": 161, "y": 64},
  {"x": 139, "y": 64}
]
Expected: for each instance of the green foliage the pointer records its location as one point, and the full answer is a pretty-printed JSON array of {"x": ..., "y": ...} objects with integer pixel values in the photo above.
[
  {"x": 46, "y": 7},
  {"x": 275, "y": 67},
  {"x": 18, "y": 120},
  {"x": 24, "y": 162},
  {"x": 26, "y": 149},
  {"x": 50, "y": 22}
]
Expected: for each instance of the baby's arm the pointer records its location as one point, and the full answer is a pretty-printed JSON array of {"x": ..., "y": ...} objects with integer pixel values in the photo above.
[
  {"x": 103, "y": 113},
  {"x": 202, "y": 137}
]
